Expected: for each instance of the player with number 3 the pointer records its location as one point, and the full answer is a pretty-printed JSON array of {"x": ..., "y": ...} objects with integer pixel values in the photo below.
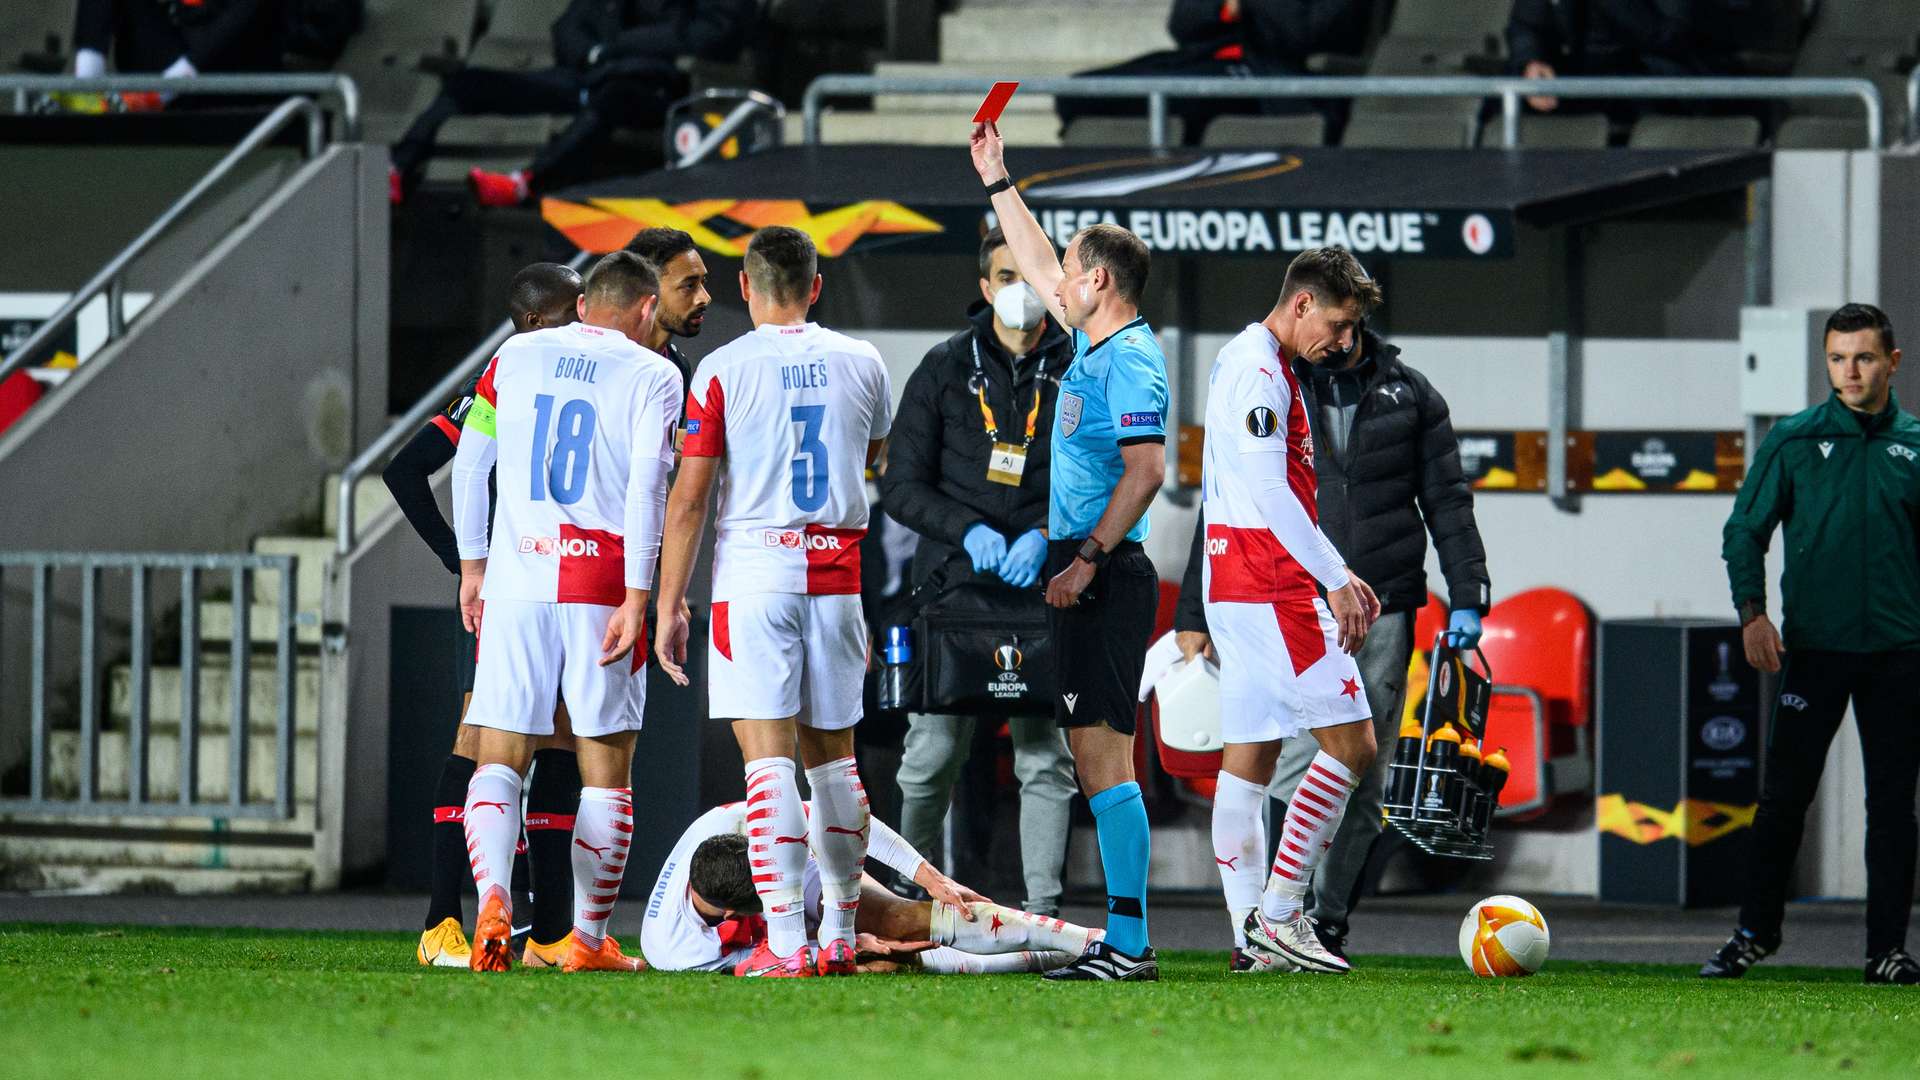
[
  {"x": 580, "y": 421},
  {"x": 785, "y": 420}
]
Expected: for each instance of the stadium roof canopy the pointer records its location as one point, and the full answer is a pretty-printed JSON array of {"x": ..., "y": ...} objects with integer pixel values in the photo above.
[{"x": 926, "y": 199}]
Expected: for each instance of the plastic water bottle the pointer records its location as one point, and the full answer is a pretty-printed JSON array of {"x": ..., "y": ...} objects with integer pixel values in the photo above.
[{"x": 898, "y": 658}]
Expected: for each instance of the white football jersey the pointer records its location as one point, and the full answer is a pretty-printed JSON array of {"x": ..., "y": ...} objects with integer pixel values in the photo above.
[
  {"x": 578, "y": 423},
  {"x": 791, "y": 409},
  {"x": 1264, "y": 543}
]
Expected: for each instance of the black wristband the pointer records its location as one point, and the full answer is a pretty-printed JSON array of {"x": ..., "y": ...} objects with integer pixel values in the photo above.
[
  {"x": 1092, "y": 553},
  {"x": 998, "y": 186}
]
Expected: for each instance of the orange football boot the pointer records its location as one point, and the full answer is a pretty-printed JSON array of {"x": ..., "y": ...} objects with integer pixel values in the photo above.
[
  {"x": 763, "y": 964},
  {"x": 608, "y": 957},
  {"x": 493, "y": 935}
]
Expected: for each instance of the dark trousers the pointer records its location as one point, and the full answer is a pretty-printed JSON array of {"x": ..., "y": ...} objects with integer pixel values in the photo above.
[
  {"x": 598, "y": 106},
  {"x": 1194, "y": 113},
  {"x": 1814, "y": 691}
]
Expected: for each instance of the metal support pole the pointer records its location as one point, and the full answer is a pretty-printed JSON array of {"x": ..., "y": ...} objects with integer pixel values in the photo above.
[
  {"x": 238, "y": 651},
  {"x": 1759, "y": 244},
  {"x": 89, "y": 683},
  {"x": 1562, "y": 383},
  {"x": 285, "y": 728},
  {"x": 116, "y": 308},
  {"x": 42, "y": 627},
  {"x": 139, "y": 689},
  {"x": 189, "y": 685},
  {"x": 1510, "y": 119},
  {"x": 1157, "y": 120}
]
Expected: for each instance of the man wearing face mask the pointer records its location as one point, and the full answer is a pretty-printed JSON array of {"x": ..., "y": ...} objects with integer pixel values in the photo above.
[{"x": 967, "y": 471}]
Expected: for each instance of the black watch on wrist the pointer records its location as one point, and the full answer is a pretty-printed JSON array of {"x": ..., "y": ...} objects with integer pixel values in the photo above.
[
  {"x": 999, "y": 186},
  {"x": 1092, "y": 553}
]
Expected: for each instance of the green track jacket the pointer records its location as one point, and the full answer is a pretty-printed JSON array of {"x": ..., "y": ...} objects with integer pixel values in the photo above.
[{"x": 1847, "y": 489}]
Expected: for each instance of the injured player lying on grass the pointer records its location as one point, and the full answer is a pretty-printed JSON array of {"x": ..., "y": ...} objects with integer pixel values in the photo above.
[{"x": 703, "y": 914}]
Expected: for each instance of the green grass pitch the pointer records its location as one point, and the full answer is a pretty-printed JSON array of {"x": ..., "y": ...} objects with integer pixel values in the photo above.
[{"x": 162, "y": 1004}]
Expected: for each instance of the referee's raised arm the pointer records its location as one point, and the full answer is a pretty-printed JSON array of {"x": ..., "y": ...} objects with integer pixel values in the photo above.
[{"x": 1032, "y": 252}]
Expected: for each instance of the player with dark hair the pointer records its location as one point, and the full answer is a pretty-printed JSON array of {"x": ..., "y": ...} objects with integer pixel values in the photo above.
[
  {"x": 1286, "y": 655},
  {"x": 1109, "y": 460},
  {"x": 580, "y": 419},
  {"x": 540, "y": 295},
  {"x": 683, "y": 290},
  {"x": 792, "y": 414},
  {"x": 1841, "y": 481},
  {"x": 705, "y": 911}
]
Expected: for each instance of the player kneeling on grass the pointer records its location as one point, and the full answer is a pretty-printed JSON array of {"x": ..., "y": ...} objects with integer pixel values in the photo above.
[{"x": 704, "y": 913}]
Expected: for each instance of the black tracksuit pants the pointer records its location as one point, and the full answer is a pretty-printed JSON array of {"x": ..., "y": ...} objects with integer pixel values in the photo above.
[
  {"x": 598, "y": 107},
  {"x": 1814, "y": 691}
]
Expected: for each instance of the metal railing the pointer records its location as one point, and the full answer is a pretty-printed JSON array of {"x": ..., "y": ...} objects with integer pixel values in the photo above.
[
  {"x": 46, "y": 796},
  {"x": 751, "y": 102},
  {"x": 109, "y": 280},
  {"x": 409, "y": 422},
  {"x": 1511, "y": 90},
  {"x": 1913, "y": 104},
  {"x": 331, "y": 87}
]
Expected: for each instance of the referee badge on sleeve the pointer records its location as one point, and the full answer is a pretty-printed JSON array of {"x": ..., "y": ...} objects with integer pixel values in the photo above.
[{"x": 1262, "y": 422}]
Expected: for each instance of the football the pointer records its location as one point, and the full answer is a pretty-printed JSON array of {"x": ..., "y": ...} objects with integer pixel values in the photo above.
[{"x": 1503, "y": 936}]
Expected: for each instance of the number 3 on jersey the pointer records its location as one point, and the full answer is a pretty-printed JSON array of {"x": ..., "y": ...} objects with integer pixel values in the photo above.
[
  {"x": 564, "y": 473},
  {"x": 810, "y": 467}
]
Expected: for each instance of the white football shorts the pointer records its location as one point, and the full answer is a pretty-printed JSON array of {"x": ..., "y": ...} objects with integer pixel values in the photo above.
[
  {"x": 531, "y": 651},
  {"x": 771, "y": 656},
  {"x": 1282, "y": 671}
]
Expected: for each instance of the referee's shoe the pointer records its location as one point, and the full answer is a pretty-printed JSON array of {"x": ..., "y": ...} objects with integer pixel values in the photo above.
[{"x": 1104, "y": 963}]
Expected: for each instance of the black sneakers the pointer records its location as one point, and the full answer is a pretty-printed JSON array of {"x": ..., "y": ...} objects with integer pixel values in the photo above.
[
  {"x": 1104, "y": 963},
  {"x": 1895, "y": 967},
  {"x": 1741, "y": 952}
]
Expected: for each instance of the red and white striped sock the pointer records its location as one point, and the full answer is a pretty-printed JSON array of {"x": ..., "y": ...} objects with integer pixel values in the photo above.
[
  {"x": 602, "y": 835},
  {"x": 1312, "y": 815},
  {"x": 840, "y": 821},
  {"x": 777, "y": 851},
  {"x": 1239, "y": 843},
  {"x": 492, "y": 822}
]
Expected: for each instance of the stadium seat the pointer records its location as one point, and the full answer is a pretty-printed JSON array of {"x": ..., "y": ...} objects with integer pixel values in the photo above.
[
  {"x": 1539, "y": 645},
  {"x": 1118, "y": 131},
  {"x": 1411, "y": 130},
  {"x": 1695, "y": 133},
  {"x": 1456, "y": 18},
  {"x": 27, "y": 29},
  {"x": 1821, "y": 133},
  {"x": 1579, "y": 131},
  {"x": 519, "y": 37},
  {"x": 384, "y": 59},
  {"x": 1249, "y": 132},
  {"x": 1430, "y": 123}
]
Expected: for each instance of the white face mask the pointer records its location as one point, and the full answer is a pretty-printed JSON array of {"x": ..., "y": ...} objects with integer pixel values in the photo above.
[{"x": 1018, "y": 306}]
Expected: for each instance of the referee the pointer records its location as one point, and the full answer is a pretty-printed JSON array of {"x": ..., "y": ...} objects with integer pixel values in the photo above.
[
  {"x": 1843, "y": 478},
  {"x": 1109, "y": 460}
]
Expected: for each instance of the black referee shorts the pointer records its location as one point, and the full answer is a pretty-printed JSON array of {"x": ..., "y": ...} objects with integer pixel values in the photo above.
[{"x": 1100, "y": 644}]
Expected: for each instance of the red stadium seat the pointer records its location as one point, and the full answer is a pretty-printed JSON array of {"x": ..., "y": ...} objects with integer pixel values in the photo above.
[
  {"x": 18, "y": 392},
  {"x": 1539, "y": 644}
]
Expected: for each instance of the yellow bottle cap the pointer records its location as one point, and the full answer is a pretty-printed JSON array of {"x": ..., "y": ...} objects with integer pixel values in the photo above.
[
  {"x": 1410, "y": 729},
  {"x": 1445, "y": 734},
  {"x": 1498, "y": 760},
  {"x": 1470, "y": 749}
]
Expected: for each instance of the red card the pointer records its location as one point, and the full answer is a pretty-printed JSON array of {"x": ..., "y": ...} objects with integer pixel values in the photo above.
[{"x": 996, "y": 102}]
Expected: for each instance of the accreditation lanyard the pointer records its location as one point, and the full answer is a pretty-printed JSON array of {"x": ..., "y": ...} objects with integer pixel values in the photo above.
[{"x": 1008, "y": 463}]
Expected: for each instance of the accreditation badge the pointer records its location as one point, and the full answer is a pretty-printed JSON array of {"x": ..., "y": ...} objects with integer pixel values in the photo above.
[{"x": 1007, "y": 464}]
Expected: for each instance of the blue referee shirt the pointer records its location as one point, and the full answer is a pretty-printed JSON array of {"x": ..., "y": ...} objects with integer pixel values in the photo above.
[{"x": 1115, "y": 394}]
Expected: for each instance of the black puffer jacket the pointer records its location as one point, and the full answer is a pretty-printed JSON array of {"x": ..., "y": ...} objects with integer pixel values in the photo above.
[
  {"x": 936, "y": 480},
  {"x": 1398, "y": 480}
]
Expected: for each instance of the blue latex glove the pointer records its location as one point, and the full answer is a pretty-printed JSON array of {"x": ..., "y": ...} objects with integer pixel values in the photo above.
[
  {"x": 1463, "y": 629},
  {"x": 1021, "y": 567},
  {"x": 986, "y": 546}
]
